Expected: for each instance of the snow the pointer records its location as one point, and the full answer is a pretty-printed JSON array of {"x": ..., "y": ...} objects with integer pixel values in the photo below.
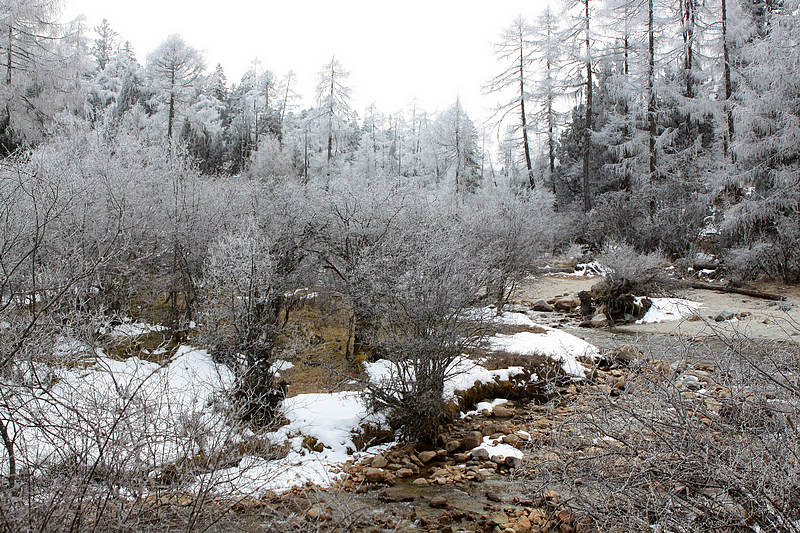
[
  {"x": 485, "y": 406},
  {"x": 666, "y": 309},
  {"x": 280, "y": 366},
  {"x": 461, "y": 374},
  {"x": 330, "y": 418},
  {"x": 497, "y": 448},
  {"x": 554, "y": 343},
  {"x": 133, "y": 329},
  {"x": 143, "y": 415}
]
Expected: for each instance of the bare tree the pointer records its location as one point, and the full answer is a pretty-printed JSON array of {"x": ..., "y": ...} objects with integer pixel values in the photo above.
[{"x": 514, "y": 51}]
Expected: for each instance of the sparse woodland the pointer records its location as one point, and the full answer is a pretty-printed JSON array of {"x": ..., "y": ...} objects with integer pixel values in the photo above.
[{"x": 173, "y": 243}]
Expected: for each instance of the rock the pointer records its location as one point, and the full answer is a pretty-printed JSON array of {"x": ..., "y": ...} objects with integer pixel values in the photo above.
[
  {"x": 404, "y": 472},
  {"x": 624, "y": 355},
  {"x": 522, "y": 524},
  {"x": 375, "y": 475},
  {"x": 513, "y": 462},
  {"x": 512, "y": 440},
  {"x": 480, "y": 454},
  {"x": 461, "y": 457},
  {"x": 437, "y": 502},
  {"x": 379, "y": 461},
  {"x": 722, "y": 316},
  {"x": 441, "y": 453},
  {"x": 318, "y": 512},
  {"x": 426, "y": 456},
  {"x": 599, "y": 320},
  {"x": 452, "y": 445},
  {"x": 542, "y": 307},
  {"x": 420, "y": 482},
  {"x": 566, "y": 304},
  {"x": 501, "y": 411},
  {"x": 552, "y": 496},
  {"x": 312, "y": 444},
  {"x": 471, "y": 440}
]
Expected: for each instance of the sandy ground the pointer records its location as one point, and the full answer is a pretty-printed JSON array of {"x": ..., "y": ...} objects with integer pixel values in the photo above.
[{"x": 767, "y": 319}]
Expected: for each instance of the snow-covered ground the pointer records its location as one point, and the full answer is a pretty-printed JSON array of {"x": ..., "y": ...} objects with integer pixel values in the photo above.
[
  {"x": 139, "y": 416},
  {"x": 551, "y": 342},
  {"x": 666, "y": 309}
]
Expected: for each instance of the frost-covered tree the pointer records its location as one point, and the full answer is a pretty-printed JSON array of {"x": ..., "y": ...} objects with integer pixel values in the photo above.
[
  {"x": 104, "y": 44},
  {"x": 457, "y": 149},
  {"x": 174, "y": 69},
  {"x": 333, "y": 102},
  {"x": 547, "y": 57}
]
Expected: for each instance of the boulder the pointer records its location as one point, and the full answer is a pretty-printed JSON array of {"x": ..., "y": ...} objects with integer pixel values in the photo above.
[
  {"x": 472, "y": 439},
  {"x": 566, "y": 304},
  {"x": 452, "y": 445},
  {"x": 480, "y": 453},
  {"x": 624, "y": 355},
  {"x": 426, "y": 456},
  {"x": 379, "y": 461},
  {"x": 722, "y": 316},
  {"x": 542, "y": 307},
  {"x": 438, "y": 502},
  {"x": 420, "y": 482},
  {"x": 501, "y": 411},
  {"x": 375, "y": 475}
]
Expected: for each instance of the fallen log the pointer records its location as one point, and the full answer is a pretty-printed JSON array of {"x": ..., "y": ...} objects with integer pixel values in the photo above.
[{"x": 736, "y": 290}]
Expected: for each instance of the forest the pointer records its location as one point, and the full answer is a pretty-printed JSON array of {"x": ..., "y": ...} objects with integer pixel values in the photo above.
[{"x": 228, "y": 306}]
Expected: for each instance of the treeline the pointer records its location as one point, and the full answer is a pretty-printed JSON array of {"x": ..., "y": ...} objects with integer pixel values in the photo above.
[{"x": 682, "y": 136}]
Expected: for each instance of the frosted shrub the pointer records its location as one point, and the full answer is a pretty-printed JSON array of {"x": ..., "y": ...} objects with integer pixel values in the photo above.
[
  {"x": 240, "y": 313},
  {"x": 421, "y": 284}
]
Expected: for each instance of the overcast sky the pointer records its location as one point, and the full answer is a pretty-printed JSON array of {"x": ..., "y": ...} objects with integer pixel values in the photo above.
[{"x": 435, "y": 50}]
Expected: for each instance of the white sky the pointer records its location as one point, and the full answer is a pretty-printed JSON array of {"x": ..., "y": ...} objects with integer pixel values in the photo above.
[{"x": 434, "y": 50}]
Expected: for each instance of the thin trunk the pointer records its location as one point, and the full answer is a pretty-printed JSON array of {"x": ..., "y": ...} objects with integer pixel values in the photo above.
[
  {"x": 651, "y": 97},
  {"x": 728, "y": 138},
  {"x": 8, "y": 54},
  {"x": 522, "y": 112},
  {"x": 171, "y": 117},
  {"x": 587, "y": 135},
  {"x": 330, "y": 118},
  {"x": 283, "y": 108}
]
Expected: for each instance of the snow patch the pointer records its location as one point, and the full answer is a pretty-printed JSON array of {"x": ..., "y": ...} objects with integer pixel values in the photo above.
[{"x": 667, "y": 309}]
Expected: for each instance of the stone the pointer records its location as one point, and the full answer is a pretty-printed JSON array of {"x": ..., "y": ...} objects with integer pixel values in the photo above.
[
  {"x": 722, "y": 316},
  {"x": 461, "y": 457},
  {"x": 542, "y": 307},
  {"x": 420, "y": 482},
  {"x": 404, "y": 472},
  {"x": 452, "y": 445},
  {"x": 513, "y": 462},
  {"x": 318, "y": 512},
  {"x": 599, "y": 320},
  {"x": 379, "y": 461},
  {"x": 552, "y": 496},
  {"x": 522, "y": 525},
  {"x": 426, "y": 456},
  {"x": 512, "y": 440},
  {"x": 501, "y": 411},
  {"x": 471, "y": 440},
  {"x": 438, "y": 502},
  {"x": 480, "y": 453},
  {"x": 624, "y": 355},
  {"x": 375, "y": 475},
  {"x": 566, "y": 304}
]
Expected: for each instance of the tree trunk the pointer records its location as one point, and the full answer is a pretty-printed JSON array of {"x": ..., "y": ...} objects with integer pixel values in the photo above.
[
  {"x": 522, "y": 113},
  {"x": 8, "y": 55},
  {"x": 728, "y": 138},
  {"x": 651, "y": 97},
  {"x": 587, "y": 135}
]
